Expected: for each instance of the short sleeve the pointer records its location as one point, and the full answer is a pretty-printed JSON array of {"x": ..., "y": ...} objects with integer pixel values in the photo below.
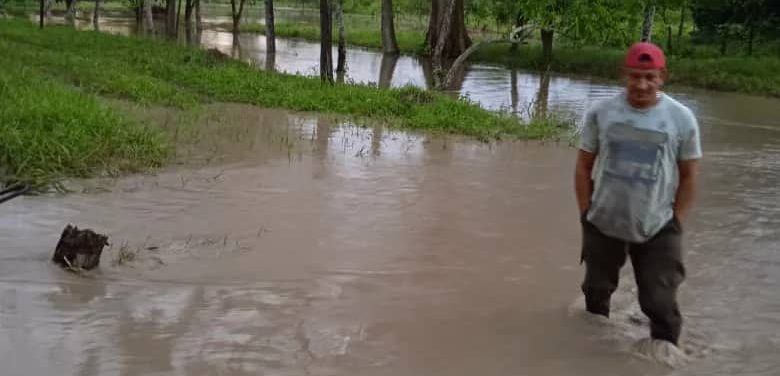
[
  {"x": 589, "y": 133},
  {"x": 690, "y": 142}
]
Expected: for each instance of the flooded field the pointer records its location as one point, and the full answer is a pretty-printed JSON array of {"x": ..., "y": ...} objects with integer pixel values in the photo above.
[{"x": 292, "y": 244}]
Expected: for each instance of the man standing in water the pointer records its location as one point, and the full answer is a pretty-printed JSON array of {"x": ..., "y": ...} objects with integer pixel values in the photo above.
[{"x": 635, "y": 181}]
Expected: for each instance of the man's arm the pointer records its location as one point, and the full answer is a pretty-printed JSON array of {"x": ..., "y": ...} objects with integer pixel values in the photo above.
[
  {"x": 583, "y": 183},
  {"x": 686, "y": 191}
]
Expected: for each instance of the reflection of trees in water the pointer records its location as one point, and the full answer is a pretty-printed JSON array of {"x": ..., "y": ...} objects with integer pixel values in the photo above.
[
  {"x": 542, "y": 95},
  {"x": 515, "y": 95},
  {"x": 387, "y": 69}
]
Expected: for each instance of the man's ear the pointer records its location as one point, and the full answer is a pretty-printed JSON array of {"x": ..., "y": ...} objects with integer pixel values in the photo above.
[{"x": 664, "y": 75}]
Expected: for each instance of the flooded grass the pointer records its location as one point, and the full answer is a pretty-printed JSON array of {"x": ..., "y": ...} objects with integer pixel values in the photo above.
[
  {"x": 409, "y": 41},
  {"x": 158, "y": 72},
  {"x": 49, "y": 131}
]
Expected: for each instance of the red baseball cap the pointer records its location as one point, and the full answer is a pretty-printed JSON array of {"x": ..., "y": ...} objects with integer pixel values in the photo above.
[{"x": 645, "y": 55}]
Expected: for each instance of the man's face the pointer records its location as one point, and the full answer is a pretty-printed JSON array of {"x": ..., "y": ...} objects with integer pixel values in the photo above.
[{"x": 642, "y": 85}]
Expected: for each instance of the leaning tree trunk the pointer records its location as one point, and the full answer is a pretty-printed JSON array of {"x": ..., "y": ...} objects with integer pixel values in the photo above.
[
  {"x": 96, "y": 16},
  {"x": 326, "y": 42},
  {"x": 389, "y": 42},
  {"x": 341, "y": 66},
  {"x": 70, "y": 13},
  {"x": 449, "y": 15},
  {"x": 647, "y": 24},
  {"x": 148, "y": 17},
  {"x": 547, "y": 44},
  {"x": 270, "y": 27}
]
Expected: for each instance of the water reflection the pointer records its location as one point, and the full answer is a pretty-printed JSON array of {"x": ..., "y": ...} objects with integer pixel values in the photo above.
[{"x": 386, "y": 70}]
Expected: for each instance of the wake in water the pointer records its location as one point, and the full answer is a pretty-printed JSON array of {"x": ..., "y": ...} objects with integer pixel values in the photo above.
[{"x": 628, "y": 328}]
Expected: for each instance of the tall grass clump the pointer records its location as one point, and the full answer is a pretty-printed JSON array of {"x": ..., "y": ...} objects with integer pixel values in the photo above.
[{"x": 49, "y": 131}]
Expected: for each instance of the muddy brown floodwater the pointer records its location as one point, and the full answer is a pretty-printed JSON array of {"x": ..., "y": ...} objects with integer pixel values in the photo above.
[{"x": 291, "y": 244}]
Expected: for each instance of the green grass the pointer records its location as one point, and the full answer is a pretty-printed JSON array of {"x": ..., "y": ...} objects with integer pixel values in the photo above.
[
  {"x": 755, "y": 75},
  {"x": 49, "y": 131},
  {"x": 54, "y": 125}
]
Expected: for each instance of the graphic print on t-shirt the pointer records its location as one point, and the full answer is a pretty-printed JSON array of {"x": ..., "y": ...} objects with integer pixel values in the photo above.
[{"x": 634, "y": 154}]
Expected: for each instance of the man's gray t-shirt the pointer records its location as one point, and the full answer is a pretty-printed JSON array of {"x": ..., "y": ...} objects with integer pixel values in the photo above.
[{"x": 636, "y": 174}]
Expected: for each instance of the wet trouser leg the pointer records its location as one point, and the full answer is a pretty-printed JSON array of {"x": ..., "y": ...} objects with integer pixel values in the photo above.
[
  {"x": 659, "y": 271},
  {"x": 603, "y": 257}
]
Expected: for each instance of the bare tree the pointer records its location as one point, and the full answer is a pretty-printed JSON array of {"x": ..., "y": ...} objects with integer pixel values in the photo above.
[
  {"x": 270, "y": 27},
  {"x": 326, "y": 42},
  {"x": 341, "y": 66},
  {"x": 647, "y": 24},
  {"x": 389, "y": 42},
  {"x": 96, "y": 15},
  {"x": 237, "y": 13},
  {"x": 447, "y": 28}
]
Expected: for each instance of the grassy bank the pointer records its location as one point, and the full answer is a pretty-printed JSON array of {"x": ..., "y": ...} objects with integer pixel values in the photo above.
[
  {"x": 49, "y": 130},
  {"x": 55, "y": 126},
  {"x": 753, "y": 75}
]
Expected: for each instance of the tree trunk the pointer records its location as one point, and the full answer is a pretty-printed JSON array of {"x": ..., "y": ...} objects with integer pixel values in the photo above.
[
  {"x": 170, "y": 20},
  {"x": 456, "y": 39},
  {"x": 326, "y": 42},
  {"x": 387, "y": 69},
  {"x": 148, "y": 17},
  {"x": 389, "y": 42},
  {"x": 79, "y": 249},
  {"x": 70, "y": 13},
  {"x": 236, "y": 13},
  {"x": 751, "y": 37},
  {"x": 547, "y": 45},
  {"x": 341, "y": 66},
  {"x": 198, "y": 19},
  {"x": 669, "y": 47},
  {"x": 188, "y": 12},
  {"x": 43, "y": 12},
  {"x": 444, "y": 31},
  {"x": 178, "y": 17},
  {"x": 270, "y": 27},
  {"x": 270, "y": 61},
  {"x": 647, "y": 24},
  {"x": 96, "y": 16}
]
